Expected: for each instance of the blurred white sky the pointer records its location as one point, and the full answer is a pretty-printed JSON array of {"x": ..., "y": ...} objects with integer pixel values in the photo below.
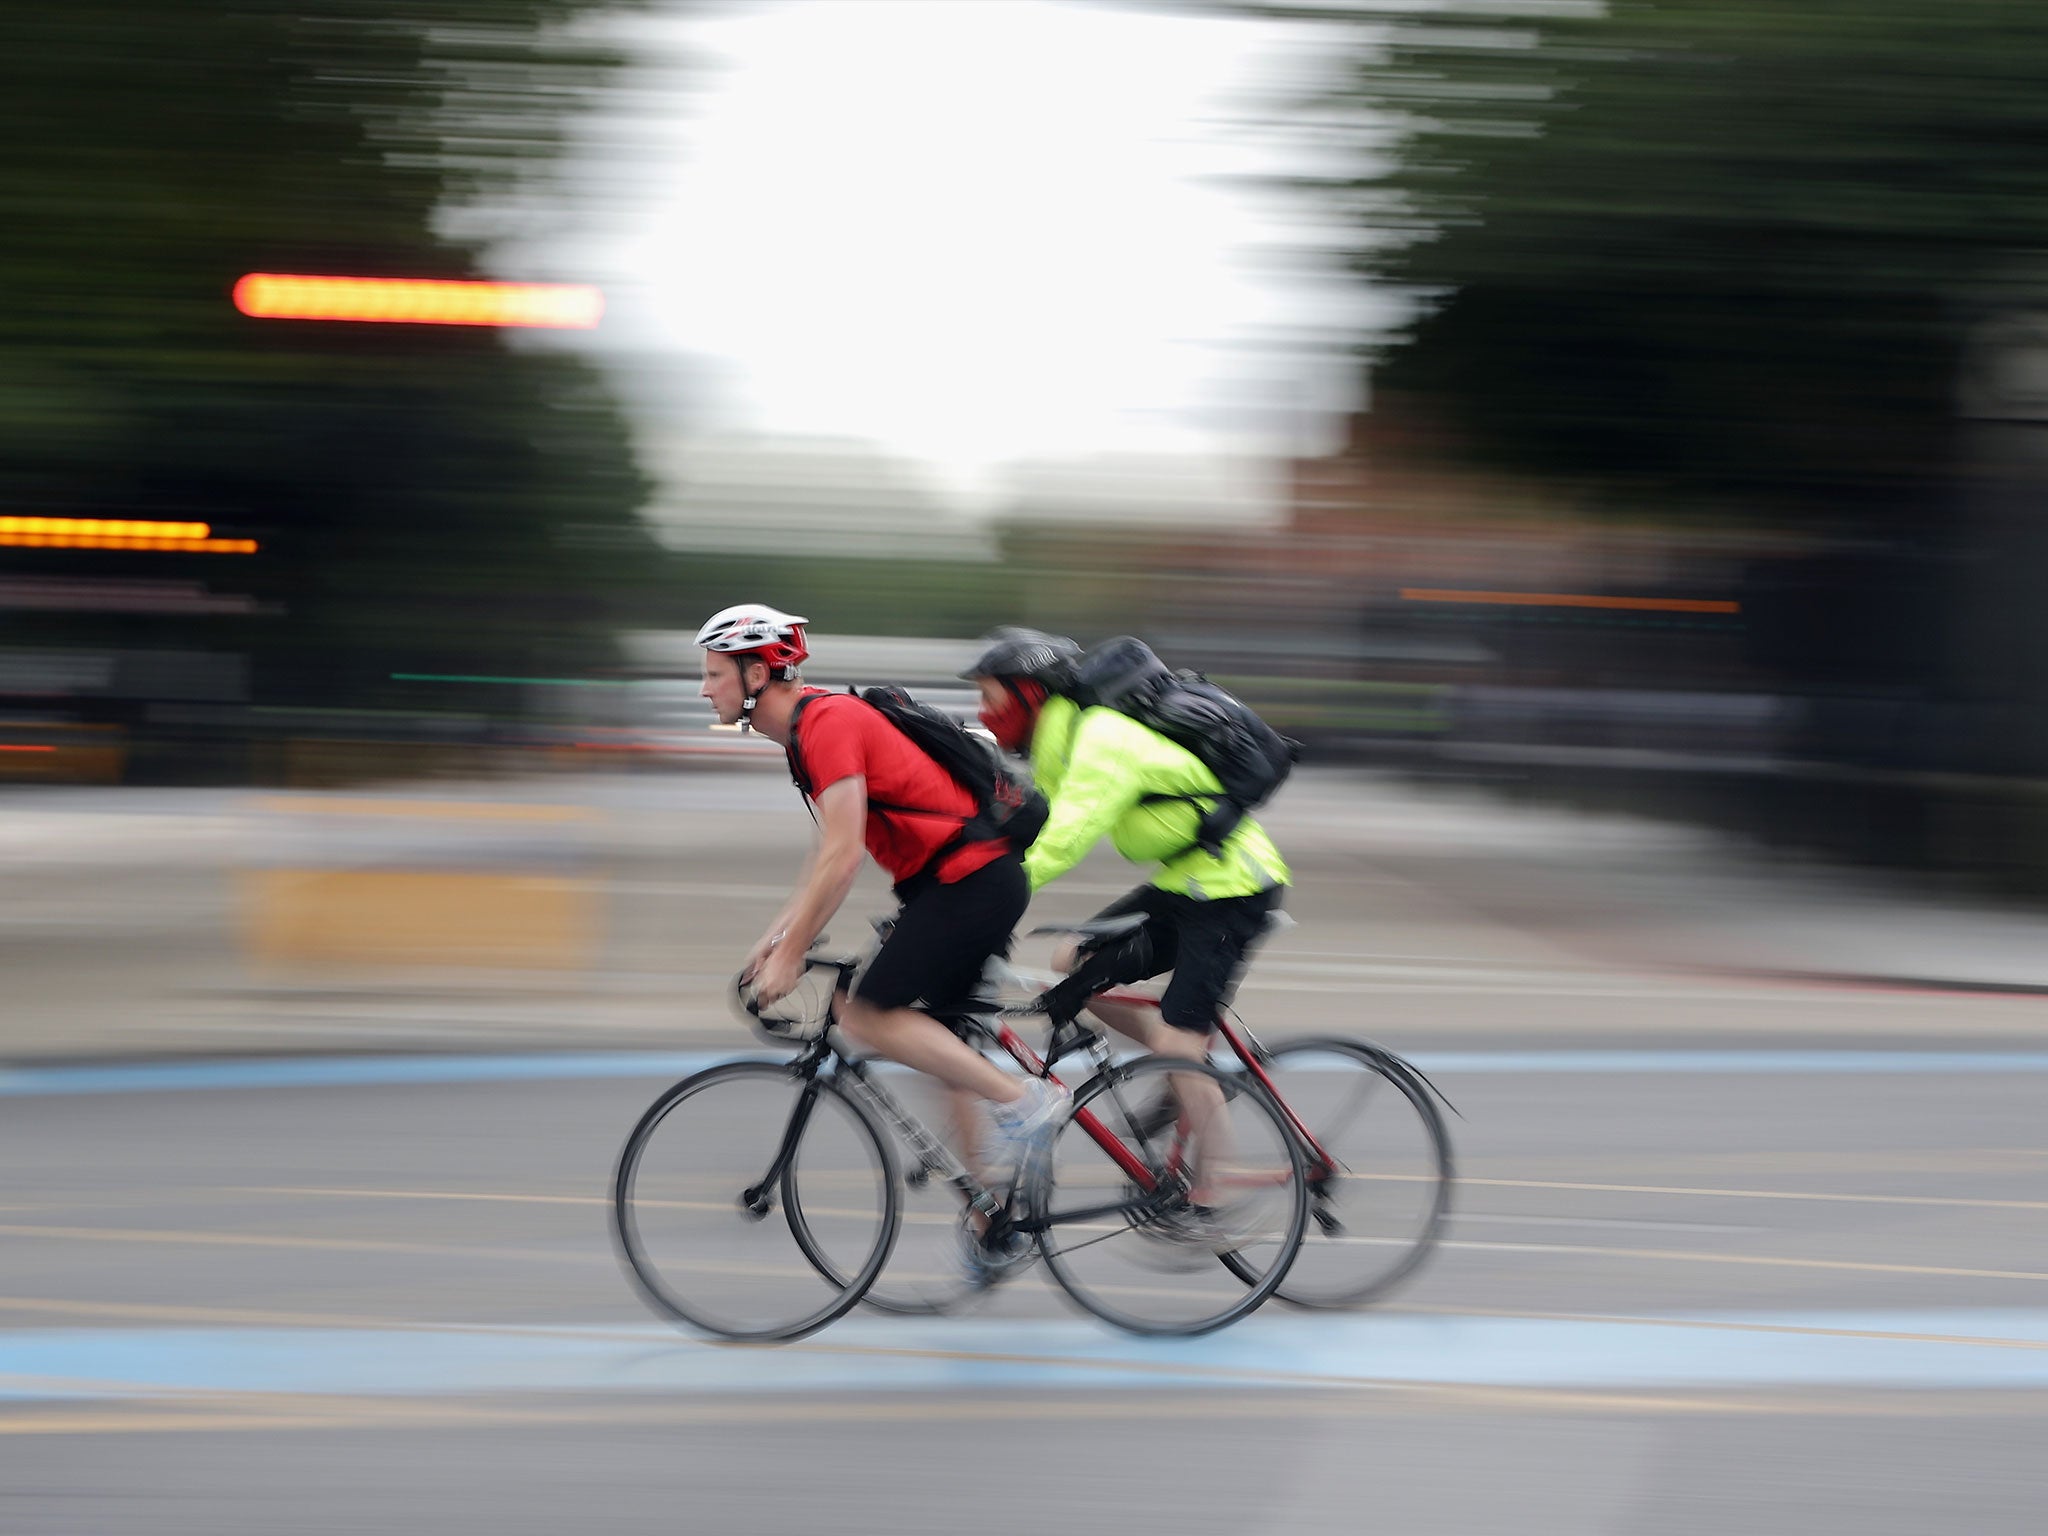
[{"x": 981, "y": 236}]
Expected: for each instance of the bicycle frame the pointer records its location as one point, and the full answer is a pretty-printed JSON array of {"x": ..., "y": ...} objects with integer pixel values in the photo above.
[
  {"x": 1321, "y": 1166},
  {"x": 936, "y": 1157}
]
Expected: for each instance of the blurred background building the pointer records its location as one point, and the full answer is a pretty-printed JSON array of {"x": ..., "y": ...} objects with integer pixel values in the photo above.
[{"x": 1633, "y": 403}]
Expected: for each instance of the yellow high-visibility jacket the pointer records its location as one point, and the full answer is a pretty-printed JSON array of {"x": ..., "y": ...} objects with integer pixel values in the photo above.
[{"x": 1096, "y": 767}]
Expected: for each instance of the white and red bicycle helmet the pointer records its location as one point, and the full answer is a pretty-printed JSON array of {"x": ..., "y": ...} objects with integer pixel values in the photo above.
[
  {"x": 755, "y": 629},
  {"x": 747, "y": 630}
]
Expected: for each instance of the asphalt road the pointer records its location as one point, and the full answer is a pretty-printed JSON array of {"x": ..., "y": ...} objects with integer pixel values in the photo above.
[
  {"x": 1678, "y": 1295},
  {"x": 1729, "y": 1252}
]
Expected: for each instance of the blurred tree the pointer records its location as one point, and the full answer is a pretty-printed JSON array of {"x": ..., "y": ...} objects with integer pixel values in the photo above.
[
  {"x": 429, "y": 499},
  {"x": 1714, "y": 252}
]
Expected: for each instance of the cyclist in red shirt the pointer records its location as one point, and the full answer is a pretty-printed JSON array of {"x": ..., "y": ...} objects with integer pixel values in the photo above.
[{"x": 960, "y": 900}]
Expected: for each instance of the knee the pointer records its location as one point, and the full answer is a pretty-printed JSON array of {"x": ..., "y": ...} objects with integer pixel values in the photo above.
[
  {"x": 856, "y": 1018},
  {"x": 1067, "y": 956}
]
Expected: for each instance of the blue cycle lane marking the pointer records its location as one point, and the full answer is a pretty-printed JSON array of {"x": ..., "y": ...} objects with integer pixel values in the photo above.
[
  {"x": 399, "y": 1071},
  {"x": 1906, "y": 1350}
]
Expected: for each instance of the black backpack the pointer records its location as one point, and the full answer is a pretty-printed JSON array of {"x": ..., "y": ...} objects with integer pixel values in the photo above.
[
  {"x": 1005, "y": 803},
  {"x": 1249, "y": 758}
]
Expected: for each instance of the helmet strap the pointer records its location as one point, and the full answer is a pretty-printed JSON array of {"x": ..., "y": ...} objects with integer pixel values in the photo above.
[
  {"x": 753, "y": 695},
  {"x": 785, "y": 674}
]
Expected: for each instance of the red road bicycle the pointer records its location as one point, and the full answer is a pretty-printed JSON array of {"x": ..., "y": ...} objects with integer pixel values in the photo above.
[{"x": 1367, "y": 1124}]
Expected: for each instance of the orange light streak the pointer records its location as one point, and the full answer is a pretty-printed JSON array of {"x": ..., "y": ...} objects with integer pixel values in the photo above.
[
  {"x": 104, "y": 527},
  {"x": 117, "y": 533},
  {"x": 4, "y": 748},
  {"x": 160, "y": 546},
  {"x": 1570, "y": 600},
  {"x": 419, "y": 301}
]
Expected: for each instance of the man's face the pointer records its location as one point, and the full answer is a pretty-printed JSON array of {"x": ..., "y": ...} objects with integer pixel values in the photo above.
[
  {"x": 1006, "y": 715},
  {"x": 724, "y": 686}
]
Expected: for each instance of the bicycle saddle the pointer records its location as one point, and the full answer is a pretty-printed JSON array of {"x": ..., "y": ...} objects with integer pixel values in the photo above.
[{"x": 1099, "y": 930}]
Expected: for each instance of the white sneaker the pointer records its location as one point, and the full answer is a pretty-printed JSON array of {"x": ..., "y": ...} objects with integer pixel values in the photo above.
[{"x": 1024, "y": 1130}]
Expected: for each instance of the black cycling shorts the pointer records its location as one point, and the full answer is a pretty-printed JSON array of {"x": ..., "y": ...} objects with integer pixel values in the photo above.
[
  {"x": 943, "y": 937},
  {"x": 1204, "y": 944}
]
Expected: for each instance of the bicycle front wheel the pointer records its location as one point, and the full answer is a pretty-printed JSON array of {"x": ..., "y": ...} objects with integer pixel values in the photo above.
[
  {"x": 1135, "y": 1219},
  {"x": 695, "y": 1203},
  {"x": 1379, "y": 1169}
]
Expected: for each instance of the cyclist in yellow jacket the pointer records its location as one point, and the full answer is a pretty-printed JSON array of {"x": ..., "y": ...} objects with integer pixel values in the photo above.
[{"x": 1106, "y": 774}]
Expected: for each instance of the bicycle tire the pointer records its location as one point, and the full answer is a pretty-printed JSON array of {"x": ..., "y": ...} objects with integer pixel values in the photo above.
[
  {"x": 1352, "y": 1253},
  {"x": 1146, "y": 1239},
  {"x": 727, "y": 1170}
]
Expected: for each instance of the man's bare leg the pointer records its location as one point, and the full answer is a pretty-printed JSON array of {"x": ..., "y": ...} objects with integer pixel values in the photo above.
[
  {"x": 921, "y": 1042},
  {"x": 963, "y": 1120}
]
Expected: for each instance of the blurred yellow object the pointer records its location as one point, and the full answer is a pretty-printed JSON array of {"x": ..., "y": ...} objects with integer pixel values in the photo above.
[
  {"x": 362, "y": 880},
  {"x": 419, "y": 917}
]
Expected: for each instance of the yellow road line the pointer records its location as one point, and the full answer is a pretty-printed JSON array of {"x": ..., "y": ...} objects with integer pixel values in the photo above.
[
  {"x": 243, "y": 1414},
  {"x": 288, "y": 1414},
  {"x": 1967, "y": 1202},
  {"x": 910, "y": 1218},
  {"x": 270, "y": 1240},
  {"x": 139, "y": 1311},
  {"x": 376, "y": 1245},
  {"x": 1685, "y": 1256},
  {"x": 416, "y": 1194},
  {"x": 1763, "y": 1194}
]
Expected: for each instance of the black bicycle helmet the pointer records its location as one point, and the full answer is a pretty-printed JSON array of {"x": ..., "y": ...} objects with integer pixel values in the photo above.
[{"x": 1016, "y": 652}]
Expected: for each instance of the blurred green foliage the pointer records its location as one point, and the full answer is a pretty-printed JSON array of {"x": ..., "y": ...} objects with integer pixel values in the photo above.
[
  {"x": 428, "y": 498},
  {"x": 1705, "y": 253}
]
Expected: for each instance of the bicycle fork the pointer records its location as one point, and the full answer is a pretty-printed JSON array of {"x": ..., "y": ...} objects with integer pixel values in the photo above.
[{"x": 758, "y": 1200}]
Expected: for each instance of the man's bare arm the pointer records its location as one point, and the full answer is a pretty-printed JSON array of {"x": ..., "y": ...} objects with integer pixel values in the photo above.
[{"x": 842, "y": 824}]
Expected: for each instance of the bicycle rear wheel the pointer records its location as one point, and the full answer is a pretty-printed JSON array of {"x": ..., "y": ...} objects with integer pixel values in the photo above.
[
  {"x": 1381, "y": 1190},
  {"x": 694, "y": 1201},
  {"x": 1141, "y": 1252}
]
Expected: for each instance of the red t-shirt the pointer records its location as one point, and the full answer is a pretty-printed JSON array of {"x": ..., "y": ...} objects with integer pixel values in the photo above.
[{"x": 838, "y": 736}]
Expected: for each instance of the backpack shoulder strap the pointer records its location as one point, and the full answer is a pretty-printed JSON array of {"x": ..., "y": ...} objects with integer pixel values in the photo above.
[{"x": 797, "y": 775}]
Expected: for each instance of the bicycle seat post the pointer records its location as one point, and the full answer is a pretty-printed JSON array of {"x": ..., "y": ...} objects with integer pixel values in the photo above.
[{"x": 1068, "y": 1035}]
